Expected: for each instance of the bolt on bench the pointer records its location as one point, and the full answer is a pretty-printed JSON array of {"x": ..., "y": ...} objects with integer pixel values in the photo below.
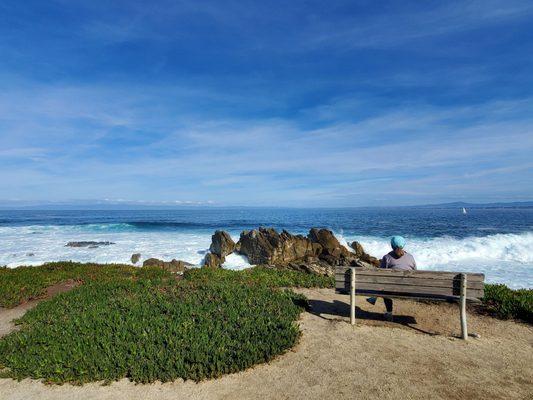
[{"x": 415, "y": 285}]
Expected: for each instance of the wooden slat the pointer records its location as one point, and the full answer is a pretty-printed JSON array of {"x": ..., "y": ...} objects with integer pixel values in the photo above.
[
  {"x": 388, "y": 287},
  {"x": 414, "y": 280},
  {"x": 410, "y": 297},
  {"x": 474, "y": 277},
  {"x": 408, "y": 287},
  {"x": 401, "y": 285},
  {"x": 410, "y": 274}
]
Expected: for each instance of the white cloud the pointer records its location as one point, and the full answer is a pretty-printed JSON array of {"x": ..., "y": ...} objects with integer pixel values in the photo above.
[{"x": 173, "y": 154}]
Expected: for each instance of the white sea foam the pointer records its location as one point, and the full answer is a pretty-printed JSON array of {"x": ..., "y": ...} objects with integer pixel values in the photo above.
[
  {"x": 48, "y": 244},
  {"x": 504, "y": 258},
  {"x": 236, "y": 262}
]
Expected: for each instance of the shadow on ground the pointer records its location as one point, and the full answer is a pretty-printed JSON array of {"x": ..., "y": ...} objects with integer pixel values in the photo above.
[{"x": 340, "y": 311}]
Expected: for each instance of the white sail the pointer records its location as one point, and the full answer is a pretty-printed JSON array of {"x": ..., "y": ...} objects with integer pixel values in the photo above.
[{"x": 464, "y": 210}]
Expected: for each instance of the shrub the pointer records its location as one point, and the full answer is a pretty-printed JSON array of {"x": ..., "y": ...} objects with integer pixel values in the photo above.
[
  {"x": 149, "y": 330},
  {"x": 507, "y": 303}
]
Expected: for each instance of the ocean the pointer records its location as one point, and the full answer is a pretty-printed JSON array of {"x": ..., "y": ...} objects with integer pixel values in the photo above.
[{"x": 495, "y": 241}]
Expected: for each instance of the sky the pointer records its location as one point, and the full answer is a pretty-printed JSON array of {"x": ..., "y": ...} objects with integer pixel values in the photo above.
[{"x": 299, "y": 103}]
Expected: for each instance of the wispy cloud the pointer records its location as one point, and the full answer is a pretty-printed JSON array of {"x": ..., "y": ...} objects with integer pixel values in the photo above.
[
  {"x": 393, "y": 155},
  {"x": 406, "y": 24}
]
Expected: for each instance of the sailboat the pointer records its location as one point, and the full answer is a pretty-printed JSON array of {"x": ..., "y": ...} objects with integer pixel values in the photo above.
[{"x": 464, "y": 210}]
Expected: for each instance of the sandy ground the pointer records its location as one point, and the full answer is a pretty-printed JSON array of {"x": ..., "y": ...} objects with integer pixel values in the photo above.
[{"x": 415, "y": 357}]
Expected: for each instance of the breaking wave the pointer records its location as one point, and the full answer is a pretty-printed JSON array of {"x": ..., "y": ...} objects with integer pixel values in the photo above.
[{"x": 504, "y": 258}]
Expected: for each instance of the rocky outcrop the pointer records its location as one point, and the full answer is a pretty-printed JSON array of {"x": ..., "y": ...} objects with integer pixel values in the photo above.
[
  {"x": 222, "y": 244},
  {"x": 212, "y": 260},
  {"x": 313, "y": 266},
  {"x": 364, "y": 256},
  {"x": 91, "y": 245},
  {"x": 330, "y": 245},
  {"x": 267, "y": 246},
  {"x": 318, "y": 253},
  {"x": 171, "y": 266},
  {"x": 333, "y": 252},
  {"x": 135, "y": 258}
]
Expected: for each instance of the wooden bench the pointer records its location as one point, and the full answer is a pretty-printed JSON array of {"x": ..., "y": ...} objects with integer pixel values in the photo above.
[{"x": 417, "y": 285}]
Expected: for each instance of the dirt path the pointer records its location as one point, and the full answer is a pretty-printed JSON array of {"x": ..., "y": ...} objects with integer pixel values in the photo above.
[
  {"x": 7, "y": 315},
  {"x": 416, "y": 357}
]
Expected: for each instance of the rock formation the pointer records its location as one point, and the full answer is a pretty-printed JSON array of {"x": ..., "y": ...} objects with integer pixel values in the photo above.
[
  {"x": 222, "y": 244},
  {"x": 364, "y": 256},
  {"x": 135, "y": 258},
  {"x": 333, "y": 253},
  {"x": 212, "y": 260},
  {"x": 91, "y": 245},
  {"x": 171, "y": 266},
  {"x": 266, "y": 246},
  {"x": 318, "y": 253}
]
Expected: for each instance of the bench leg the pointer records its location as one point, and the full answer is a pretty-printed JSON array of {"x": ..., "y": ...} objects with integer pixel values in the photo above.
[
  {"x": 464, "y": 330},
  {"x": 352, "y": 296}
]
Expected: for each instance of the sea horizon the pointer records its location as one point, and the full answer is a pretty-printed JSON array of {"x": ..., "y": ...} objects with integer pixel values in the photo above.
[{"x": 495, "y": 241}]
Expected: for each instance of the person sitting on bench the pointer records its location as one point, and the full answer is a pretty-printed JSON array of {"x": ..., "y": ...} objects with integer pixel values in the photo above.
[{"x": 397, "y": 259}]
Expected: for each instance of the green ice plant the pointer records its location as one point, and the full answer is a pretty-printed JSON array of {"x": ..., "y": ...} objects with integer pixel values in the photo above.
[
  {"x": 507, "y": 303},
  {"x": 18, "y": 285},
  {"x": 148, "y": 330}
]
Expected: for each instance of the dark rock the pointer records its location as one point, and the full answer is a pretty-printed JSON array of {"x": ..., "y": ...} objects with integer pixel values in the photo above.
[
  {"x": 89, "y": 244},
  {"x": 334, "y": 253},
  {"x": 222, "y": 244},
  {"x": 364, "y": 256},
  {"x": 212, "y": 261},
  {"x": 135, "y": 258},
  {"x": 313, "y": 266},
  {"x": 266, "y": 246},
  {"x": 171, "y": 266},
  {"x": 330, "y": 245},
  {"x": 318, "y": 253},
  {"x": 358, "y": 248}
]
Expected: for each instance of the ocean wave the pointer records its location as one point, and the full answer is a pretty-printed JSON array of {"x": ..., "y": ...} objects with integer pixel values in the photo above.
[
  {"x": 504, "y": 258},
  {"x": 445, "y": 249},
  {"x": 231, "y": 225},
  {"x": 235, "y": 225},
  {"x": 157, "y": 225}
]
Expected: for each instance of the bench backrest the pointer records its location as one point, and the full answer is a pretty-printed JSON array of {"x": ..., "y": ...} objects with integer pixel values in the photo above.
[{"x": 411, "y": 284}]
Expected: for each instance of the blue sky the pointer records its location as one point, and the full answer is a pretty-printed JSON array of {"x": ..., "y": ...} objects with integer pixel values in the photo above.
[{"x": 338, "y": 103}]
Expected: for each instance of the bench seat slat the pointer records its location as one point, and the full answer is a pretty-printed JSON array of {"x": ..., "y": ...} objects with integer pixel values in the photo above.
[
  {"x": 473, "y": 277},
  {"x": 399, "y": 288},
  {"x": 408, "y": 296},
  {"x": 412, "y": 280}
]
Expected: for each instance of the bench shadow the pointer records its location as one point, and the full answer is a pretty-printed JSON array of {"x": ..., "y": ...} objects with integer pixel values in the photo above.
[{"x": 339, "y": 311}]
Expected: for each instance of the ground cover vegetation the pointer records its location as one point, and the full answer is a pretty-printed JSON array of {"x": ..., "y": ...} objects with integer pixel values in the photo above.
[
  {"x": 507, "y": 303},
  {"x": 18, "y": 285},
  {"x": 147, "y": 324}
]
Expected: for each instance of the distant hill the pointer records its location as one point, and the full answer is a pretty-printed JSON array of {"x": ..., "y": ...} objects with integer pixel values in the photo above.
[
  {"x": 103, "y": 205},
  {"x": 460, "y": 204}
]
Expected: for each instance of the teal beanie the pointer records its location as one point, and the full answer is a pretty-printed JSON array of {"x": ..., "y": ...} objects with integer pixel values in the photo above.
[{"x": 397, "y": 242}]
